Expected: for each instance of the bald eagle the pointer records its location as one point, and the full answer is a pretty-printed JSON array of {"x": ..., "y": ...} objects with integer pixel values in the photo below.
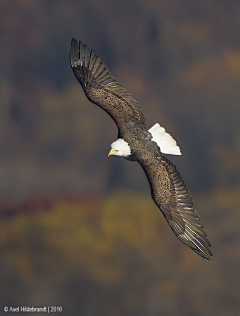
[{"x": 135, "y": 142}]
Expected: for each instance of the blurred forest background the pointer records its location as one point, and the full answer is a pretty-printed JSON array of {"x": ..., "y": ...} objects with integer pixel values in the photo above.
[{"x": 79, "y": 229}]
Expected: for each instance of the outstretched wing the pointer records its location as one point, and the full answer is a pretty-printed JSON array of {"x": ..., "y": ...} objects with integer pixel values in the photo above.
[
  {"x": 171, "y": 195},
  {"x": 102, "y": 89}
]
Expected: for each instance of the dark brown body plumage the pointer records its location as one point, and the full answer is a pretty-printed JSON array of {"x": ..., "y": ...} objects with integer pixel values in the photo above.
[{"x": 168, "y": 190}]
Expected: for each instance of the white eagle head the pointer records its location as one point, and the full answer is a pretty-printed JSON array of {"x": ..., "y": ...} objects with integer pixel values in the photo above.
[{"x": 120, "y": 148}]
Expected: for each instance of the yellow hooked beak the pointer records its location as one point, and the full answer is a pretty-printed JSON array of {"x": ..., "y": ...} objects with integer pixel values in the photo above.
[{"x": 112, "y": 152}]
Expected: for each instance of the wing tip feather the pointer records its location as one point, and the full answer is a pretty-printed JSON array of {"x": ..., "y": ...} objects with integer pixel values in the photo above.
[{"x": 73, "y": 52}]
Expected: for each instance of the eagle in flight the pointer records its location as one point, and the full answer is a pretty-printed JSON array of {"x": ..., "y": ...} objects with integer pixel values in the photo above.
[{"x": 136, "y": 142}]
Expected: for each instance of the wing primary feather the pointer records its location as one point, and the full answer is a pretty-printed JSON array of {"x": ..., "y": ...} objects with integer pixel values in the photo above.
[
  {"x": 87, "y": 56},
  {"x": 74, "y": 54},
  {"x": 93, "y": 59},
  {"x": 81, "y": 53},
  {"x": 96, "y": 67}
]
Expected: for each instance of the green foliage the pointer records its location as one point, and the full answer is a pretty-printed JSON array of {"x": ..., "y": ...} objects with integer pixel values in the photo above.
[{"x": 120, "y": 254}]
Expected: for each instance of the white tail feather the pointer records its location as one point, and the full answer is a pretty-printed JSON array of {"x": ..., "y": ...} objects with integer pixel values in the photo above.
[{"x": 165, "y": 141}]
